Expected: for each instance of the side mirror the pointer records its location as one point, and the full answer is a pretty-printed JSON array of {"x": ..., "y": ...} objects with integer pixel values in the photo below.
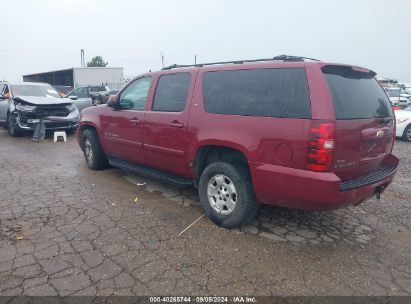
[
  {"x": 73, "y": 97},
  {"x": 112, "y": 101},
  {"x": 2, "y": 96}
]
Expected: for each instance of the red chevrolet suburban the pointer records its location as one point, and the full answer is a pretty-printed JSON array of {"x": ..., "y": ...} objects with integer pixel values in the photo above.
[{"x": 283, "y": 131}]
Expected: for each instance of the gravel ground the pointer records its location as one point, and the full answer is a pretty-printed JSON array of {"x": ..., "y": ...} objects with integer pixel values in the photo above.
[
  {"x": 67, "y": 230},
  {"x": 394, "y": 208}
]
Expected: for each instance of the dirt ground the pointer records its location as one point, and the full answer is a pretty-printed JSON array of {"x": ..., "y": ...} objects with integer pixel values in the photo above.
[{"x": 67, "y": 230}]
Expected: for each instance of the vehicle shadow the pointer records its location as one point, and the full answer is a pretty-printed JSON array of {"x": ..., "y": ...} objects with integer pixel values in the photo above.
[{"x": 277, "y": 223}]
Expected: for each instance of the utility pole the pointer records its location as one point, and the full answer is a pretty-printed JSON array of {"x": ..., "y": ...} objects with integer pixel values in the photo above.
[
  {"x": 195, "y": 59},
  {"x": 82, "y": 63},
  {"x": 162, "y": 59}
]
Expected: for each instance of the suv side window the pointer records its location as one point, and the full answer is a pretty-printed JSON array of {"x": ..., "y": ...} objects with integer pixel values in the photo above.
[
  {"x": 82, "y": 92},
  {"x": 171, "y": 93},
  {"x": 134, "y": 97},
  {"x": 259, "y": 92}
]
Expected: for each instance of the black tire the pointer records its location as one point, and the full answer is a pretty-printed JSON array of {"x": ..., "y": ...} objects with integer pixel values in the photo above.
[
  {"x": 12, "y": 127},
  {"x": 96, "y": 101},
  {"x": 407, "y": 133},
  {"x": 91, "y": 144},
  {"x": 246, "y": 206}
]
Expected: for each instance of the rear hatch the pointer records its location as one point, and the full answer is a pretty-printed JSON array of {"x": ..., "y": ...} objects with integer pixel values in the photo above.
[{"x": 364, "y": 127}]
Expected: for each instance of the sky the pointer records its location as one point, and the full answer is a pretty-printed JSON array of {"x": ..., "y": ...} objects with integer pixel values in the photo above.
[{"x": 46, "y": 35}]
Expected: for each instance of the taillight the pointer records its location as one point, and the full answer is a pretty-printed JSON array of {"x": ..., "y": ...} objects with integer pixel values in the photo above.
[{"x": 320, "y": 146}]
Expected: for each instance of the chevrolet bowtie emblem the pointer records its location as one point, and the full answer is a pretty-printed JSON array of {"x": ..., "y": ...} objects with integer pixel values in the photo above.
[{"x": 380, "y": 134}]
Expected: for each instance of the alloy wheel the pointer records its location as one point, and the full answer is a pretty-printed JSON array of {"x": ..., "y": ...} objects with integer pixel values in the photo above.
[
  {"x": 222, "y": 194},
  {"x": 88, "y": 150}
]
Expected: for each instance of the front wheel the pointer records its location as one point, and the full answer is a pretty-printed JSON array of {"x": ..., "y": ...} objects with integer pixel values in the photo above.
[
  {"x": 227, "y": 195},
  {"x": 13, "y": 128},
  {"x": 93, "y": 153},
  {"x": 407, "y": 133}
]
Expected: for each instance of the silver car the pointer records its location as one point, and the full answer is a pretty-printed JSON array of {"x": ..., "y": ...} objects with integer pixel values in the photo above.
[
  {"x": 86, "y": 96},
  {"x": 24, "y": 105}
]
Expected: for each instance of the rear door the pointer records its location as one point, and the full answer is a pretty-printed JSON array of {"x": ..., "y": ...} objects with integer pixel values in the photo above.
[
  {"x": 165, "y": 126},
  {"x": 365, "y": 127}
]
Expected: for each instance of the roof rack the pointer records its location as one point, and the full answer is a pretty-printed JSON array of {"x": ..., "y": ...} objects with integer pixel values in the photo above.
[{"x": 279, "y": 57}]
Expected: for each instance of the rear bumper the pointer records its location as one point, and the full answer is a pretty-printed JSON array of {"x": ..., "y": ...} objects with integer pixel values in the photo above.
[{"x": 295, "y": 188}]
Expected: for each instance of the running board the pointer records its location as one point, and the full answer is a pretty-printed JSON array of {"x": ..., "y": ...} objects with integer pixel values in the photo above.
[{"x": 150, "y": 172}]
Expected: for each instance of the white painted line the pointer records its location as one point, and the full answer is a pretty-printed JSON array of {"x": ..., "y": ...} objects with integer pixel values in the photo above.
[{"x": 192, "y": 224}]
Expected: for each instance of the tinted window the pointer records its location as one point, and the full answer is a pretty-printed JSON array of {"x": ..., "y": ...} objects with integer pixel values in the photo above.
[
  {"x": 97, "y": 89},
  {"x": 260, "y": 92},
  {"x": 80, "y": 92},
  {"x": 356, "y": 95},
  {"x": 135, "y": 95},
  {"x": 171, "y": 93}
]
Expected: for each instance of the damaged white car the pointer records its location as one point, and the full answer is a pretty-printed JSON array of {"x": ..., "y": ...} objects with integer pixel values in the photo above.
[{"x": 24, "y": 105}]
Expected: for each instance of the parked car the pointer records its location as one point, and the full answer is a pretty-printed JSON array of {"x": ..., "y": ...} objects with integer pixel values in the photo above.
[
  {"x": 402, "y": 102},
  {"x": 403, "y": 129},
  {"x": 22, "y": 105},
  {"x": 87, "y": 96},
  {"x": 293, "y": 133},
  {"x": 398, "y": 96},
  {"x": 397, "y": 92}
]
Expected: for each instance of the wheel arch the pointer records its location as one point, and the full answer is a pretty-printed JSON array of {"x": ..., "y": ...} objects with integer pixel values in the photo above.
[
  {"x": 209, "y": 153},
  {"x": 87, "y": 126}
]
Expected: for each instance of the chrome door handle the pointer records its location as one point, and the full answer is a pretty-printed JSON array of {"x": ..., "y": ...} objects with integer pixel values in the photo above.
[
  {"x": 135, "y": 121},
  {"x": 176, "y": 124}
]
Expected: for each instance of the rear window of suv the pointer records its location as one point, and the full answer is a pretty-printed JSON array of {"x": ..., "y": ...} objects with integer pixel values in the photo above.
[
  {"x": 356, "y": 94},
  {"x": 258, "y": 92}
]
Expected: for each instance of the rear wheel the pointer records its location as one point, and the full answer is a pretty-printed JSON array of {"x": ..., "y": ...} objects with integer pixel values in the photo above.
[
  {"x": 93, "y": 153},
  {"x": 96, "y": 101},
  {"x": 13, "y": 128},
  {"x": 227, "y": 195},
  {"x": 407, "y": 133}
]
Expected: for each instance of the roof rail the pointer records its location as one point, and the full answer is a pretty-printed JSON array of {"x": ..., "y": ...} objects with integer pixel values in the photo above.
[{"x": 279, "y": 57}]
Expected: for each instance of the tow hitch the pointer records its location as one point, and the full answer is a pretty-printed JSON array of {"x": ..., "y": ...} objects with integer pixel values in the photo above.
[{"x": 378, "y": 191}]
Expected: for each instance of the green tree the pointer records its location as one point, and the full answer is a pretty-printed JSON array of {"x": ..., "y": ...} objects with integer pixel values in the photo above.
[{"x": 97, "y": 61}]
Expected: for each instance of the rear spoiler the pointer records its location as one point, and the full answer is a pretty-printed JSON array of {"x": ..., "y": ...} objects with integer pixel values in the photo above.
[{"x": 348, "y": 71}]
